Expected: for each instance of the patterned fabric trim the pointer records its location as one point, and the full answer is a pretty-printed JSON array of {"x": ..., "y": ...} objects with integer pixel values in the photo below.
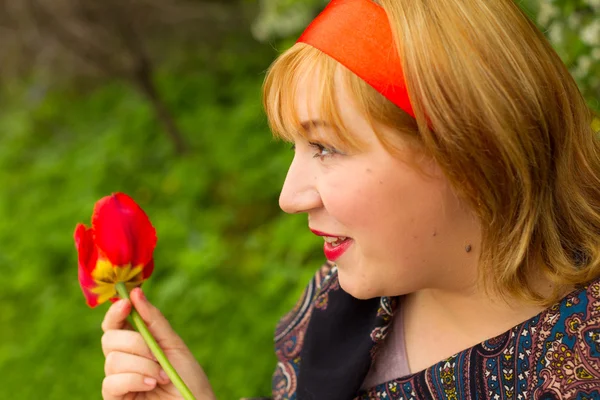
[
  {"x": 553, "y": 356},
  {"x": 289, "y": 334},
  {"x": 343, "y": 337}
]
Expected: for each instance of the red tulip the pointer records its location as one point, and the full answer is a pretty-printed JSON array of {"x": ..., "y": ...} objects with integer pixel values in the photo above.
[{"x": 117, "y": 248}]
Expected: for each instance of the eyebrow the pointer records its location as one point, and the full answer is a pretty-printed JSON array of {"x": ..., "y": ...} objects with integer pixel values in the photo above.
[{"x": 314, "y": 123}]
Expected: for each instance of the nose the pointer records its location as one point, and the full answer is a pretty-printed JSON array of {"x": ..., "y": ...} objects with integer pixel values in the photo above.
[{"x": 299, "y": 193}]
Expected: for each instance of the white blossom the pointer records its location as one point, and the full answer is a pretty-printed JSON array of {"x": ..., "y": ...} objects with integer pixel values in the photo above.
[
  {"x": 583, "y": 67},
  {"x": 574, "y": 21},
  {"x": 556, "y": 32},
  {"x": 590, "y": 35},
  {"x": 547, "y": 12},
  {"x": 595, "y": 4}
]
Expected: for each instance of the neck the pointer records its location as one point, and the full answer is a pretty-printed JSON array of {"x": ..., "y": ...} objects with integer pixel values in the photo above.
[
  {"x": 472, "y": 313},
  {"x": 461, "y": 318}
]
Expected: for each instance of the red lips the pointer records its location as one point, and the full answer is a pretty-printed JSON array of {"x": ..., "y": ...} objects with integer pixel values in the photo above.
[{"x": 334, "y": 252}]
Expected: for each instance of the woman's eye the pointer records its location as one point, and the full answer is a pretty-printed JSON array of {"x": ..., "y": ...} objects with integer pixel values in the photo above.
[{"x": 322, "y": 151}]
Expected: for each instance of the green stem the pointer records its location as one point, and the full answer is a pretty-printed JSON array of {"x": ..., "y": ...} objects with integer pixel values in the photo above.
[{"x": 140, "y": 325}]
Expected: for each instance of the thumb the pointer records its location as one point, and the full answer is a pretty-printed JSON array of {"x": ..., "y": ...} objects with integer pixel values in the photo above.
[{"x": 157, "y": 323}]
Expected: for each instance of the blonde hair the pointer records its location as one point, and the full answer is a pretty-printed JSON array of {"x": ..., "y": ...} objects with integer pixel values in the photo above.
[{"x": 500, "y": 114}]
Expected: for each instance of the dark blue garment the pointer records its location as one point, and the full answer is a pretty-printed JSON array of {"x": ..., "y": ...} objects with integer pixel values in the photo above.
[{"x": 327, "y": 343}]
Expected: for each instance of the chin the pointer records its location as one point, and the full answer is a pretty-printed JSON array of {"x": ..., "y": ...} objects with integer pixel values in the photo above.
[{"x": 356, "y": 288}]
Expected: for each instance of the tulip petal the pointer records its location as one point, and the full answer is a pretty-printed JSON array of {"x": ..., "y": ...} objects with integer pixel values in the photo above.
[
  {"x": 86, "y": 249},
  {"x": 87, "y": 256},
  {"x": 148, "y": 269},
  {"x": 123, "y": 231},
  {"x": 91, "y": 298}
]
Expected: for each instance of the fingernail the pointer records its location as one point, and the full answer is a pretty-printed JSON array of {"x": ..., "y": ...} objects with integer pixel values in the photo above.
[
  {"x": 122, "y": 304},
  {"x": 150, "y": 381},
  {"x": 141, "y": 294},
  {"x": 164, "y": 376}
]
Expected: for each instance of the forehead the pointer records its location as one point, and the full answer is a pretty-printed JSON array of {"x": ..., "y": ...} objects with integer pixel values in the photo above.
[
  {"x": 307, "y": 96},
  {"x": 303, "y": 85},
  {"x": 318, "y": 96},
  {"x": 322, "y": 100}
]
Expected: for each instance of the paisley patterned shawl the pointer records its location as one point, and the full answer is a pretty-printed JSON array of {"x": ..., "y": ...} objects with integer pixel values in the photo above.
[{"x": 326, "y": 344}]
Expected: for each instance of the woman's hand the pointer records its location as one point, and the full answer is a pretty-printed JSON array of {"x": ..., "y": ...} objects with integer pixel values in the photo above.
[{"x": 131, "y": 370}]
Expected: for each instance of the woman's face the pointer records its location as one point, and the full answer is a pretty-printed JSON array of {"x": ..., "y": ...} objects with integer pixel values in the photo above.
[{"x": 406, "y": 229}]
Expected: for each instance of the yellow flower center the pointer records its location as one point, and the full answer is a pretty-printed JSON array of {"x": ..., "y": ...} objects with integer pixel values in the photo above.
[{"x": 107, "y": 275}]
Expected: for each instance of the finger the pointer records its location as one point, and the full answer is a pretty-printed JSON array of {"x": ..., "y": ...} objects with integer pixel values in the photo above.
[
  {"x": 127, "y": 326},
  {"x": 116, "y": 316},
  {"x": 157, "y": 323},
  {"x": 125, "y": 342},
  {"x": 114, "y": 387},
  {"x": 120, "y": 363}
]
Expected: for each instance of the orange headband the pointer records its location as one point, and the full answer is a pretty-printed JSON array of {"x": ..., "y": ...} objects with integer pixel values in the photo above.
[{"x": 358, "y": 35}]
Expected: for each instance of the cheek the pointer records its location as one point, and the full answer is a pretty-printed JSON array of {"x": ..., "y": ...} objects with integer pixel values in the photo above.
[
  {"x": 366, "y": 200},
  {"x": 348, "y": 198},
  {"x": 387, "y": 205},
  {"x": 396, "y": 210}
]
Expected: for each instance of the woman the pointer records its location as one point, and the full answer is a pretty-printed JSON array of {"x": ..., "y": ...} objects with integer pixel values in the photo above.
[{"x": 447, "y": 158}]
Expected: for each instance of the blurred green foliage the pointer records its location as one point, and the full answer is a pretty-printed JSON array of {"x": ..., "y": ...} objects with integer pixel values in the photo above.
[
  {"x": 573, "y": 28},
  {"x": 228, "y": 263}
]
